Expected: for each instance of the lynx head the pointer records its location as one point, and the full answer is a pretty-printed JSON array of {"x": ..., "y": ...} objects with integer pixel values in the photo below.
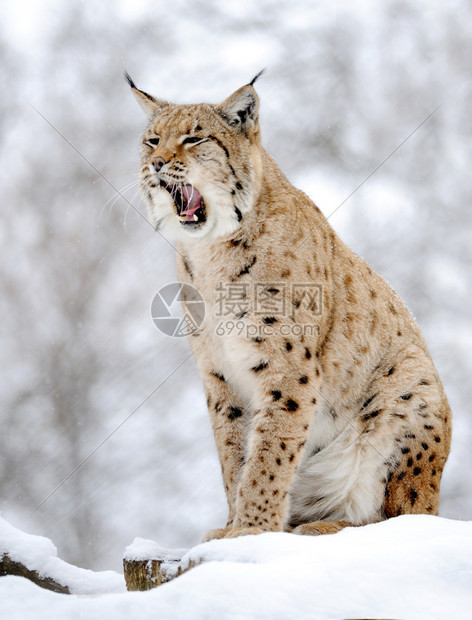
[{"x": 201, "y": 163}]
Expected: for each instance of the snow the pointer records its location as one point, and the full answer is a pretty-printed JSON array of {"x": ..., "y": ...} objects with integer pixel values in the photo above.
[
  {"x": 145, "y": 549},
  {"x": 39, "y": 554},
  {"x": 410, "y": 567}
]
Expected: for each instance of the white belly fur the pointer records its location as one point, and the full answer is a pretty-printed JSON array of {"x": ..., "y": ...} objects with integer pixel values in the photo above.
[{"x": 341, "y": 480}]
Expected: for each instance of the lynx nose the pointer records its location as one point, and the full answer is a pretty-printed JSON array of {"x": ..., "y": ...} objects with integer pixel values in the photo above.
[{"x": 157, "y": 163}]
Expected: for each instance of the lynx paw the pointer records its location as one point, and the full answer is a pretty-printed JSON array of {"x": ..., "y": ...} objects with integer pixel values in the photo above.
[
  {"x": 215, "y": 534},
  {"x": 242, "y": 531},
  {"x": 317, "y": 528},
  {"x": 230, "y": 532}
]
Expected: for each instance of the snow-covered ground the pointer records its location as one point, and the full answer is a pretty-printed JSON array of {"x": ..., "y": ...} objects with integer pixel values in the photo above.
[{"x": 411, "y": 567}]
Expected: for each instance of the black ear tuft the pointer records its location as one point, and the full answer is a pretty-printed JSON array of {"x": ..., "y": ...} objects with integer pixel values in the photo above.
[
  {"x": 255, "y": 78},
  {"x": 150, "y": 104},
  {"x": 129, "y": 80}
]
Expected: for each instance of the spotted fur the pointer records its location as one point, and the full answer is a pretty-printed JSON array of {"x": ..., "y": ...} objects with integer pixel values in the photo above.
[{"x": 345, "y": 425}]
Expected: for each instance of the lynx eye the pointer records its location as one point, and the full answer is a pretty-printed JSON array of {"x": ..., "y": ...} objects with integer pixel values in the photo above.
[
  {"x": 152, "y": 142},
  {"x": 192, "y": 140}
]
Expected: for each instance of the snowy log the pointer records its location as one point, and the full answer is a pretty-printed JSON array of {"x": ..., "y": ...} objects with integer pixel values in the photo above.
[
  {"x": 146, "y": 565},
  {"x": 10, "y": 567},
  {"x": 35, "y": 558},
  {"x": 142, "y": 574}
]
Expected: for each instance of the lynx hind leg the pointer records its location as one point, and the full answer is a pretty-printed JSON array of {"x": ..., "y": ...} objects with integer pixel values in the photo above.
[{"x": 413, "y": 486}]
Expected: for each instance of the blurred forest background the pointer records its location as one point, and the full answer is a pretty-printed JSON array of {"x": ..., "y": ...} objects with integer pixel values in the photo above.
[{"x": 346, "y": 83}]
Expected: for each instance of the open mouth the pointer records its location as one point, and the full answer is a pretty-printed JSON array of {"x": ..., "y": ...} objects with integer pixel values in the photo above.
[{"x": 188, "y": 202}]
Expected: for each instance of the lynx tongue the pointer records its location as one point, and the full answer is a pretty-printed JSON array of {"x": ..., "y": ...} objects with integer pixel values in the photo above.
[{"x": 193, "y": 201}]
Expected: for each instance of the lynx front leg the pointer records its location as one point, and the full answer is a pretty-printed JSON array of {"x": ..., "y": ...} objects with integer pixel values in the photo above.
[
  {"x": 278, "y": 436},
  {"x": 228, "y": 420}
]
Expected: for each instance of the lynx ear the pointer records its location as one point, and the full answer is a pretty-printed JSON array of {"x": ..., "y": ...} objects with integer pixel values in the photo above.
[
  {"x": 241, "y": 109},
  {"x": 150, "y": 104}
]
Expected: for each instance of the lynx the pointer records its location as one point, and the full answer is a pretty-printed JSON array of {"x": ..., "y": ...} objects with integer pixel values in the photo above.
[{"x": 329, "y": 413}]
